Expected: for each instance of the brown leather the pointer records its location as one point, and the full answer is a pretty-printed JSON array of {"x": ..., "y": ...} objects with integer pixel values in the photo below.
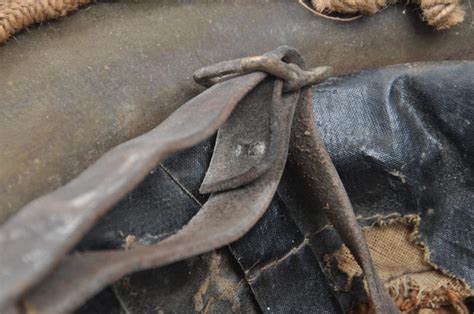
[
  {"x": 74, "y": 88},
  {"x": 33, "y": 241},
  {"x": 241, "y": 196},
  {"x": 224, "y": 218}
]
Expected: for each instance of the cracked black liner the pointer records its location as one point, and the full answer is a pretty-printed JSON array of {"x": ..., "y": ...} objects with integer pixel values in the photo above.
[{"x": 401, "y": 139}]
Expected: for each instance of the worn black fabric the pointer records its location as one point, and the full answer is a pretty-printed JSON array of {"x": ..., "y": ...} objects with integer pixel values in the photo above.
[{"x": 402, "y": 139}]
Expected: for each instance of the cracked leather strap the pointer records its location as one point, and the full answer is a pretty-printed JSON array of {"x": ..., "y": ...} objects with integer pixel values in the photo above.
[
  {"x": 224, "y": 218},
  {"x": 34, "y": 240},
  {"x": 307, "y": 149},
  {"x": 245, "y": 144},
  {"x": 227, "y": 215},
  {"x": 323, "y": 186}
]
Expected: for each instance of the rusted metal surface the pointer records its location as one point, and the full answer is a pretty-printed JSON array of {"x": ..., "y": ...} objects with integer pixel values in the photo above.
[
  {"x": 224, "y": 218},
  {"x": 73, "y": 89},
  {"x": 323, "y": 186},
  {"x": 34, "y": 240}
]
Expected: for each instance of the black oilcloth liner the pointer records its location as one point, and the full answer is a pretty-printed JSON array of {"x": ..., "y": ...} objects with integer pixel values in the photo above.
[{"x": 415, "y": 121}]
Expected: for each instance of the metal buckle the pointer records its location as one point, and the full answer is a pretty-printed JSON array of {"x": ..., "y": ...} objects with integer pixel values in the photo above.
[{"x": 272, "y": 63}]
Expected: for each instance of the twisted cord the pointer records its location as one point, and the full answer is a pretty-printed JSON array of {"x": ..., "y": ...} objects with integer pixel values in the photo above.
[
  {"x": 441, "y": 14},
  {"x": 18, "y": 14}
]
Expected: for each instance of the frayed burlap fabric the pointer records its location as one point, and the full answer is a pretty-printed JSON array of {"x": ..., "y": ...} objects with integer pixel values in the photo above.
[
  {"x": 441, "y": 14},
  {"x": 416, "y": 285},
  {"x": 18, "y": 14}
]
